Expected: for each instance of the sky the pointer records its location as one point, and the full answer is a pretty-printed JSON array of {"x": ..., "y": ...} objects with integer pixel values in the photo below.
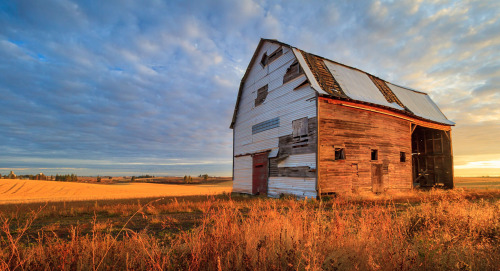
[{"x": 149, "y": 87}]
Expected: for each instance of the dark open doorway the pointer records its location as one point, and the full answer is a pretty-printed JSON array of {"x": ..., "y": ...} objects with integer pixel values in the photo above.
[{"x": 432, "y": 158}]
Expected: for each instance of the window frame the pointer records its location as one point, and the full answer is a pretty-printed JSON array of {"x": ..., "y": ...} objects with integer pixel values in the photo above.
[{"x": 339, "y": 154}]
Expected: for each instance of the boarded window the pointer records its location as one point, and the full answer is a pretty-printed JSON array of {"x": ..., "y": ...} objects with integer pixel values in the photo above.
[
  {"x": 339, "y": 154},
  {"x": 275, "y": 55},
  {"x": 292, "y": 72},
  {"x": 266, "y": 125},
  {"x": 374, "y": 154},
  {"x": 261, "y": 95},
  {"x": 300, "y": 127},
  {"x": 402, "y": 156}
]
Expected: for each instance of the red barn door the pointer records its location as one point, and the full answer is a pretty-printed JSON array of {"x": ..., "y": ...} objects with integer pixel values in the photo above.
[{"x": 259, "y": 175}]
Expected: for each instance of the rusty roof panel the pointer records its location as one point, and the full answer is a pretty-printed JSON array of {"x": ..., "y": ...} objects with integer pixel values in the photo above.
[
  {"x": 323, "y": 76},
  {"x": 386, "y": 91}
]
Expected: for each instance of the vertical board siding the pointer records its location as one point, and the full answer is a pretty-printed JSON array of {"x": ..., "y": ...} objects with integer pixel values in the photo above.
[
  {"x": 301, "y": 187},
  {"x": 359, "y": 131},
  {"x": 242, "y": 182}
]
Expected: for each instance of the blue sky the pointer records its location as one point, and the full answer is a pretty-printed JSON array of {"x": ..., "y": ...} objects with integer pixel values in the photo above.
[{"x": 132, "y": 87}]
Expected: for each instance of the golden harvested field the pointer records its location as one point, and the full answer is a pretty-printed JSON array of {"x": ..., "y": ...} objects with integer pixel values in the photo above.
[
  {"x": 25, "y": 191},
  {"x": 478, "y": 182}
]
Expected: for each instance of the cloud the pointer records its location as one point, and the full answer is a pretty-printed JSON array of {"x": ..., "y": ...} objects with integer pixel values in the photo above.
[{"x": 126, "y": 81}]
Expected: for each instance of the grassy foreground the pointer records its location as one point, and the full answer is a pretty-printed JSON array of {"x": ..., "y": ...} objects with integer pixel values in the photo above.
[{"x": 434, "y": 230}]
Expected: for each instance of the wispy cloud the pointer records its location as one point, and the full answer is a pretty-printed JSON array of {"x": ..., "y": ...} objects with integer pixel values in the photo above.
[{"x": 126, "y": 81}]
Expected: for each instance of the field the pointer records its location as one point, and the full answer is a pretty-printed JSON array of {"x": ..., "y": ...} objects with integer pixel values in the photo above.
[
  {"x": 24, "y": 191},
  {"x": 478, "y": 182},
  {"x": 418, "y": 230}
]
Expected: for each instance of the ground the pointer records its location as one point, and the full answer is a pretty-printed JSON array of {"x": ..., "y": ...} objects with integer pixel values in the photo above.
[{"x": 435, "y": 229}]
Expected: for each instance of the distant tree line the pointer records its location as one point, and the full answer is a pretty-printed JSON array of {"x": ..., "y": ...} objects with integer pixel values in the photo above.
[
  {"x": 66, "y": 178},
  {"x": 188, "y": 179},
  {"x": 145, "y": 176}
]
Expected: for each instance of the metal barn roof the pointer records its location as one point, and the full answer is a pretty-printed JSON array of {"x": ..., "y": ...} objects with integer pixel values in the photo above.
[
  {"x": 339, "y": 81},
  {"x": 420, "y": 104}
]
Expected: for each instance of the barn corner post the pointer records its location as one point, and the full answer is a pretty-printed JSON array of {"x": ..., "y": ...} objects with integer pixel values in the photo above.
[{"x": 318, "y": 136}]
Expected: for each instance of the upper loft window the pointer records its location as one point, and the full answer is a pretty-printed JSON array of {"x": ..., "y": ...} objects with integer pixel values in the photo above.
[
  {"x": 275, "y": 55},
  {"x": 266, "y": 60},
  {"x": 374, "y": 155},
  {"x": 261, "y": 95},
  {"x": 293, "y": 72}
]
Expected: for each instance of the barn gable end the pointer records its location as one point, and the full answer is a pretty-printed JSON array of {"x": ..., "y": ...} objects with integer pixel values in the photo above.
[{"x": 269, "y": 102}]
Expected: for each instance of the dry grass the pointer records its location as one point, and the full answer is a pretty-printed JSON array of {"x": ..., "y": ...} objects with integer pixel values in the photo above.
[
  {"x": 437, "y": 230},
  {"x": 23, "y": 191}
]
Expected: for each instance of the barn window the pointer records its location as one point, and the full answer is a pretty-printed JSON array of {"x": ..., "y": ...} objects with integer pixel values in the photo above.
[
  {"x": 300, "y": 127},
  {"x": 275, "y": 55},
  {"x": 339, "y": 154},
  {"x": 264, "y": 60},
  {"x": 261, "y": 95},
  {"x": 265, "y": 125},
  {"x": 402, "y": 156},
  {"x": 374, "y": 154},
  {"x": 292, "y": 72}
]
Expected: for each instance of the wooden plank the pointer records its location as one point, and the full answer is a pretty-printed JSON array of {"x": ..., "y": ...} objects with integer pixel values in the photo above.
[{"x": 359, "y": 131}]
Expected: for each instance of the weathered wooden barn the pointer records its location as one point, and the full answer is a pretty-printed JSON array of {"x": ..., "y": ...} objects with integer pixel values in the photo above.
[{"x": 309, "y": 126}]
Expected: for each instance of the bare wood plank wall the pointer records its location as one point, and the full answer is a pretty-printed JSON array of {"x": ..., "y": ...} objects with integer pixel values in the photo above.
[{"x": 358, "y": 132}]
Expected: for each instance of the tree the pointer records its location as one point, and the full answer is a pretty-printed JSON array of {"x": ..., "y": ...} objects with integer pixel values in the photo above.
[
  {"x": 188, "y": 179},
  {"x": 98, "y": 178}
]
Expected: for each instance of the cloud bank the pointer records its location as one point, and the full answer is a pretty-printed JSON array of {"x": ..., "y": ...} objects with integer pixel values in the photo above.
[{"x": 125, "y": 87}]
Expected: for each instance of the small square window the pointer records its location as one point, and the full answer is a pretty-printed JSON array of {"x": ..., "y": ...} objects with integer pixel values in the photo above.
[
  {"x": 339, "y": 154},
  {"x": 374, "y": 155},
  {"x": 402, "y": 156}
]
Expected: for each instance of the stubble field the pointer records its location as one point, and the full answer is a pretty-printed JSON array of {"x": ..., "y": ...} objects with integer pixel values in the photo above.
[
  {"x": 418, "y": 230},
  {"x": 25, "y": 191}
]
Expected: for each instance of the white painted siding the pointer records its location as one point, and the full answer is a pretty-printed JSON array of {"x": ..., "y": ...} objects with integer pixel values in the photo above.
[
  {"x": 299, "y": 160},
  {"x": 242, "y": 182},
  {"x": 282, "y": 101},
  {"x": 302, "y": 187}
]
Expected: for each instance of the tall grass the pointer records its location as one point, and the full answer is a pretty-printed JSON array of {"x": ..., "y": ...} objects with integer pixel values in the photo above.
[{"x": 438, "y": 230}]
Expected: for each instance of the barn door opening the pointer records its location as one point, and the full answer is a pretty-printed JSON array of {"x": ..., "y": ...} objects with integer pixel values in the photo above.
[
  {"x": 259, "y": 173},
  {"x": 377, "y": 185},
  {"x": 432, "y": 159}
]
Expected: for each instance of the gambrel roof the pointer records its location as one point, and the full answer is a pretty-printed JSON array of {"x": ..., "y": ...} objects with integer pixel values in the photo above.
[{"x": 336, "y": 80}]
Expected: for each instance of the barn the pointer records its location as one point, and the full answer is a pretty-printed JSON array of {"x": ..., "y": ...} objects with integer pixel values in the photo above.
[{"x": 309, "y": 126}]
